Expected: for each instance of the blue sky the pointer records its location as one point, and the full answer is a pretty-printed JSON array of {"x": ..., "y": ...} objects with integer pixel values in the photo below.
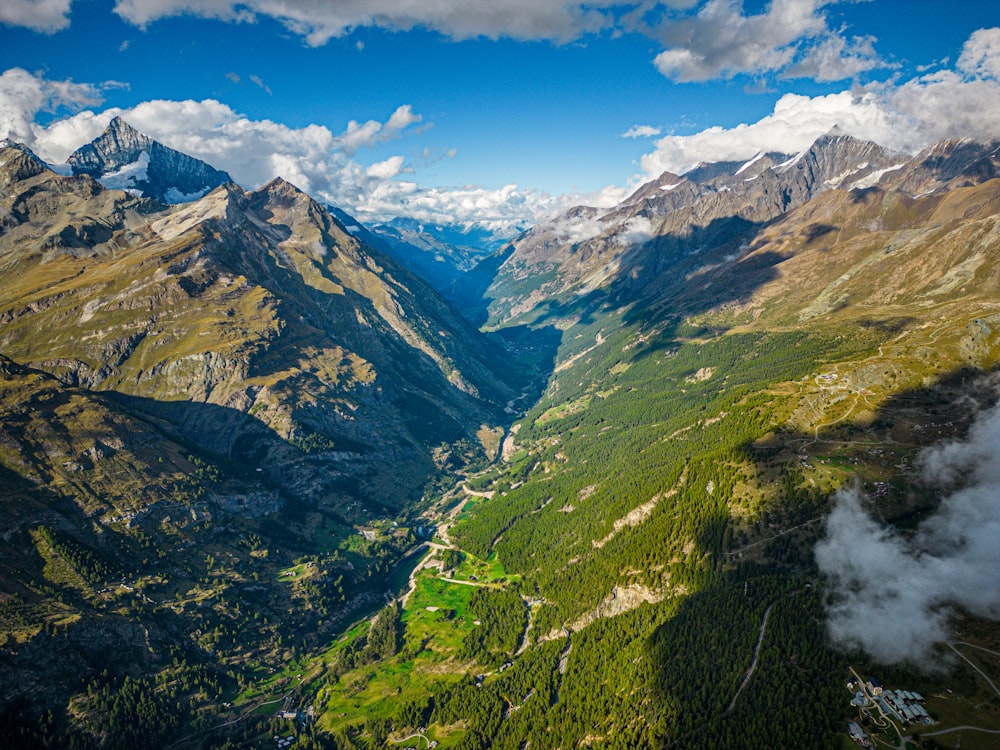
[{"x": 494, "y": 111}]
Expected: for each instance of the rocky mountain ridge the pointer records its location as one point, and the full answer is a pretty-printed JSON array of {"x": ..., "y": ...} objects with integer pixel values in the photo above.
[{"x": 713, "y": 211}]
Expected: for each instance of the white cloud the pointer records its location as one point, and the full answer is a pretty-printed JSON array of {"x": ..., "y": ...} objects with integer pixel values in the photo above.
[
  {"x": 577, "y": 227},
  {"x": 641, "y": 131},
  {"x": 635, "y": 231},
  {"x": 386, "y": 170},
  {"x": 835, "y": 58},
  {"x": 402, "y": 118},
  {"x": 892, "y": 594},
  {"x": 364, "y": 135},
  {"x": 791, "y": 37},
  {"x": 904, "y": 116},
  {"x": 981, "y": 54},
  {"x": 319, "y": 20},
  {"x": 358, "y": 135},
  {"x": 47, "y": 16},
  {"x": 23, "y": 95}
]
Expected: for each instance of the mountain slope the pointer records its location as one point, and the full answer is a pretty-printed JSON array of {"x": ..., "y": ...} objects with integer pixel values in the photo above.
[
  {"x": 195, "y": 401},
  {"x": 259, "y": 303},
  {"x": 624, "y": 250},
  {"x": 658, "y": 508}
]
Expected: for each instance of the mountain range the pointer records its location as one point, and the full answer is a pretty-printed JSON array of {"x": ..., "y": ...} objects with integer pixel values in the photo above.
[
  {"x": 587, "y": 468},
  {"x": 254, "y": 302}
]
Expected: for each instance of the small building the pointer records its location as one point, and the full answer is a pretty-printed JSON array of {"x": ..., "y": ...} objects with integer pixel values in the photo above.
[
  {"x": 874, "y": 686},
  {"x": 858, "y": 734}
]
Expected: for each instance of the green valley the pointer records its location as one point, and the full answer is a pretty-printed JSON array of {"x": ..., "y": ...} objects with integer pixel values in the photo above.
[{"x": 262, "y": 486}]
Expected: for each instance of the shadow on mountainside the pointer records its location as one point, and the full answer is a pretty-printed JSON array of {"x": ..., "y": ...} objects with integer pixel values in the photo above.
[
  {"x": 731, "y": 651},
  {"x": 653, "y": 285},
  {"x": 326, "y": 470}
]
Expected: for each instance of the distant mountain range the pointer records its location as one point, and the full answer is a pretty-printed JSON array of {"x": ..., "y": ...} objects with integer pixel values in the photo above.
[
  {"x": 232, "y": 418},
  {"x": 439, "y": 254},
  {"x": 709, "y": 215}
]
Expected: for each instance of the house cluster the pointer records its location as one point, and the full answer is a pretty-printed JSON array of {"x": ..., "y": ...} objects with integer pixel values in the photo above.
[
  {"x": 905, "y": 705},
  {"x": 284, "y": 742}
]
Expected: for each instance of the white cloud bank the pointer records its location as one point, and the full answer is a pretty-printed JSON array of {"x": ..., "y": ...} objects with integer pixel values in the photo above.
[
  {"x": 893, "y": 595},
  {"x": 906, "y": 116},
  {"x": 703, "y": 39}
]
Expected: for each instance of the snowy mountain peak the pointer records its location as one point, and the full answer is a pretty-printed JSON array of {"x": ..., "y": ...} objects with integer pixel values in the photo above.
[{"x": 122, "y": 158}]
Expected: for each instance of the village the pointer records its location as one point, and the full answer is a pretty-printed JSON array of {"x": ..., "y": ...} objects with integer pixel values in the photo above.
[{"x": 904, "y": 706}]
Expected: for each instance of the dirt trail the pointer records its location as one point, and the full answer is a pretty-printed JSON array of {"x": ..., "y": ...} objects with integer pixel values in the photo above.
[{"x": 756, "y": 655}]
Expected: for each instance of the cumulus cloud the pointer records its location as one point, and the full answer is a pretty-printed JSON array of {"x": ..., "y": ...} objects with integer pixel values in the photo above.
[
  {"x": 981, "y": 54},
  {"x": 23, "y": 95},
  {"x": 904, "y": 116},
  {"x": 892, "y": 595},
  {"x": 367, "y": 134},
  {"x": 47, "y": 16},
  {"x": 387, "y": 169},
  {"x": 318, "y": 21},
  {"x": 641, "y": 131},
  {"x": 314, "y": 158},
  {"x": 791, "y": 37}
]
